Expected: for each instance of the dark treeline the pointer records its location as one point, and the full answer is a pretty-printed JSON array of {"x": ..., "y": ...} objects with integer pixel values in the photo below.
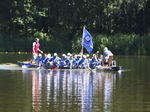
[{"x": 122, "y": 25}]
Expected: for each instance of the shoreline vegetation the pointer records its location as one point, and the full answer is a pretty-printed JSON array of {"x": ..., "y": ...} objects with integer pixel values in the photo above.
[
  {"x": 123, "y": 26},
  {"x": 119, "y": 44}
]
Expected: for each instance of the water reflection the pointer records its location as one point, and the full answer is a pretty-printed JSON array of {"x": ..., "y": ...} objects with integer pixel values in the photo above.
[{"x": 72, "y": 90}]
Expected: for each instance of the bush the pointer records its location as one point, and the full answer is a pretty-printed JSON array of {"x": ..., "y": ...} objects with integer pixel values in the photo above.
[{"x": 120, "y": 44}]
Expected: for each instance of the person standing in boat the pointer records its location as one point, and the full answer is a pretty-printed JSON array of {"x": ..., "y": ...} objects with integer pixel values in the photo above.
[
  {"x": 108, "y": 56},
  {"x": 35, "y": 49}
]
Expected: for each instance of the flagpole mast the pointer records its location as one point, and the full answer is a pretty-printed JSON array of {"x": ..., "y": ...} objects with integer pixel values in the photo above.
[
  {"x": 82, "y": 50},
  {"x": 82, "y": 45}
]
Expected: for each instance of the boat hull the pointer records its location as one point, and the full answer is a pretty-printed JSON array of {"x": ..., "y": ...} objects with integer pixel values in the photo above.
[
  {"x": 98, "y": 68},
  {"x": 108, "y": 68},
  {"x": 27, "y": 65}
]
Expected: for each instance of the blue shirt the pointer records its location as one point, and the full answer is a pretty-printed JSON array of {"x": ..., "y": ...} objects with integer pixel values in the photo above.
[
  {"x": 99, "y": 61},
  {"x": 77, "y": 62},
  {"x": 83, "y": 62},
  {"x": 93, "y": 63},
  {"x": 37, "y": 59},
  {"x": 68, "y": 62},
  {"x": 54, "y": 60},
  {"x": 62, "y": 62},
  {"x": 42, "y": 59}
]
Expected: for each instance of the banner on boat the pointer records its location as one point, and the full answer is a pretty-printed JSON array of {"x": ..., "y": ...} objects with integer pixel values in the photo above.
[{"x": 87, "y": 41}]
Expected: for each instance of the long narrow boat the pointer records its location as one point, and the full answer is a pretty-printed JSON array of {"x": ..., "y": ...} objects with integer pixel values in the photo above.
[
  {"x": 108, "y": 68},
  {"x": 27, "y": 65},
  {"x": 98, "y": 68}
]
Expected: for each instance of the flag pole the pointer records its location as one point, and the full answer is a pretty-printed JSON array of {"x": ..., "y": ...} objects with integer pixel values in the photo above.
[
  {"x": 82, "y": 45},
  {"x": 82, "y": 50}
]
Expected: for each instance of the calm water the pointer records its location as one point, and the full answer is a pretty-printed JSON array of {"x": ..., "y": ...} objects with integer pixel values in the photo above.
[{"x": 75, "y": 90}]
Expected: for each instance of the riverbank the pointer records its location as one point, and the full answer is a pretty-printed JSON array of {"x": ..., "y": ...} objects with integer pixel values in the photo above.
[{"x": 120, "y": 44}]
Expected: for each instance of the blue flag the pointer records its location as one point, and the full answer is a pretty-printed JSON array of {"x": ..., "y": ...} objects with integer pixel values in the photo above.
[{"x": 87, "y": 41}]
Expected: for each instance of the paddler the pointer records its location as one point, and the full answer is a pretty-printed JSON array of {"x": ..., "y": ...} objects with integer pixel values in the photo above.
[
  {"x": 62, "y": 62},
  {"x": 47, "y": 63},
  {"x": 55, "y": 60},
  {"x": 83, "y": 62},
  {"x": 68, "y": 60},
  {"x": 38, "y": 59},
  {"x": 77, "y": 60},
  {"x": 100, "y": 59},
  {"x": 71, "y": 61},
  {"x": 93, "y": 62}
]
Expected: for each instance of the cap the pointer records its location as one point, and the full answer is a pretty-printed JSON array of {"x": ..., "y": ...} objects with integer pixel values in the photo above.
[
  {"x": 94, "y": 54},
  {"x": 84, "y": 56},
  {"x": 63, "y": 55},
  {"x": 105, "y": 49},
  {"x": 55, "y": 54},
  {"x": 78, "y": 55},
  {"x": 68, "y": 54},
  {"x": 40, "y": 55},
  {"x": 75, "y": 56},
  {"x": 49, "y": 55}
]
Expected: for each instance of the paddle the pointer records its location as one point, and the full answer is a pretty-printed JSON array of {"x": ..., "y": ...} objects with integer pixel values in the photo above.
[{"x": 53, "y": 67}]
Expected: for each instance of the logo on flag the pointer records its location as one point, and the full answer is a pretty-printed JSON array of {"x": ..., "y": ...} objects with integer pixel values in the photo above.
[{"x": 87, "y": 41}]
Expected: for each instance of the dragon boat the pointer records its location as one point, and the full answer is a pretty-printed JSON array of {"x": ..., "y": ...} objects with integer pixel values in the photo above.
[{"x": 98, "y": 68}]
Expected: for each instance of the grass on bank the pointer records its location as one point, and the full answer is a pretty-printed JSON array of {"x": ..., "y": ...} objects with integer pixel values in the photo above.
[{"x": 119, "y": 44}]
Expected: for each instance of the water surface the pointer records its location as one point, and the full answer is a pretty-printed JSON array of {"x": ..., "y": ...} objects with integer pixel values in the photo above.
[{"x": 27, "y": 90}]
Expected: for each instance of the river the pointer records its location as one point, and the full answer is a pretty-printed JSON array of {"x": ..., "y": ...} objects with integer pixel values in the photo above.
[{"x": 27, "y": 90}]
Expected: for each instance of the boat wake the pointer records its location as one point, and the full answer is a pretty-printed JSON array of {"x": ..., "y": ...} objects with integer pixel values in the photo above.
[{"x": 11, "y": 66}]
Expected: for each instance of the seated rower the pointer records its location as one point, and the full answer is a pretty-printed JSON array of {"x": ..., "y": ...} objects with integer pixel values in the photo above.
[
  {"x": 93, "y": 62},
  {"x": 54, "y": 60},
  {"x": 62, "y": 62},
  {"x": 38, "y": 59},
  {"x": 100, "y": 59},
  {"x": 71, "y": 61},
  {"x": 77, "y": 60},
  {"x": 42, "y": 60},
  {"x": 54, "y": 57},
  {"x": 47, "y": 63},
  {"x": 108, "y": 56},
  {"x": 74, "y": 61},
  {"x": 68, "y": 60},
  {"x": 88, "y": 61},
  {"x": 83, "y": 62}
]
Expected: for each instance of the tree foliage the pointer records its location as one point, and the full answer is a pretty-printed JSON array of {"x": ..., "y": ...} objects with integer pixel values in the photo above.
[{"x": 62, "y": 20}]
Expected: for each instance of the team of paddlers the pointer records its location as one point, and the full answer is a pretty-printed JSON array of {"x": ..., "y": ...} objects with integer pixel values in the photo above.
[
  {"x": 74, "y": 61},
  {"x": 69, "y": 60}
]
